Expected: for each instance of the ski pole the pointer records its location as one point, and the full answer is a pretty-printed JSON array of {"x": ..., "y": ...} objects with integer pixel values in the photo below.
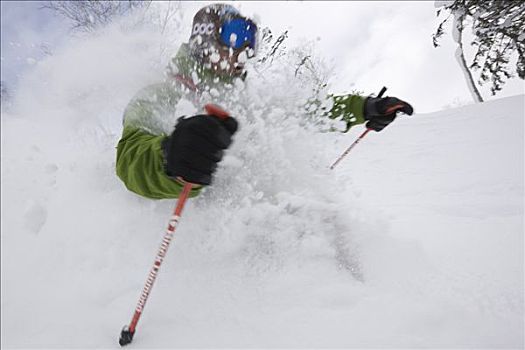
[
  {"x": 358, "y": 139},
  {"x": 349, "y": 148},
  {"x": 127, "y": 333}
]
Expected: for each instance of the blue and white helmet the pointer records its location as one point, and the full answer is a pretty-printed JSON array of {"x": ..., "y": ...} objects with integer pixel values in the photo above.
[{"x": 221, "y": 26}]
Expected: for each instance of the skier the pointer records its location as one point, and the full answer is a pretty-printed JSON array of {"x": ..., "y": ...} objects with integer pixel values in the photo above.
[{"x": 154, "y": 161}]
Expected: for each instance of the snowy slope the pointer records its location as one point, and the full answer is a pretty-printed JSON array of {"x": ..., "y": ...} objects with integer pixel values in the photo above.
[{"x": 416, "y": 239}]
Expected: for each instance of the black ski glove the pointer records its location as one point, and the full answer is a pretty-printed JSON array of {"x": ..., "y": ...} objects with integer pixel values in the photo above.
[
  {"x": 381, "y": 111},
  {"x": 195, "y": 147}
]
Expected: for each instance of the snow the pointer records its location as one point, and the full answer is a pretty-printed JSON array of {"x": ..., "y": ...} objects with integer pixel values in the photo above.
[
  {"x": 31, "y": 61},
  {"x": 242, "y": 57},
  {"x": 233, "y": 39},
  {"x": 195, "y": 78},
  {"x": 224, "y": 64},
  {"x": 414, "y": 240},
  {"x": 215, "y": 57}
]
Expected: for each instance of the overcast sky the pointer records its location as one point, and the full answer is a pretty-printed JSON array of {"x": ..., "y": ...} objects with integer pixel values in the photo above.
[
  {"x": 24, "y": 29},
  {"x": 371, "y": 44}
]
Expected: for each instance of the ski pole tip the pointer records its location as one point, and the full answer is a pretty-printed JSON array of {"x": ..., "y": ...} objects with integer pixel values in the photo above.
[{"x": 126, "y": 336}]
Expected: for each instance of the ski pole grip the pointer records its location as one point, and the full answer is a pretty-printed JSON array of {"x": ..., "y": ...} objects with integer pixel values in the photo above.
[{"x": 216, "y": 111}]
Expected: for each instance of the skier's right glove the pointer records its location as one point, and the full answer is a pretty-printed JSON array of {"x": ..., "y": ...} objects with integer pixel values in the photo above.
[
  {"x": 381, "y": 111},
  {"x": 195, "y": 147}
]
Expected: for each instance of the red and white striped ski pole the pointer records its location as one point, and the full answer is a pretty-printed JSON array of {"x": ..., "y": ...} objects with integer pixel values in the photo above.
[
  {"x": 349, "y": 148},
  {"x": 127, "y": 333},
  {"x": 126, "y": 336}
]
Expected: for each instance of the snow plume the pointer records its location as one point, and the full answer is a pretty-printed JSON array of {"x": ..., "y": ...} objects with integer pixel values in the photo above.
[
  {"x": 414, "y": 241},
  {"x": 278, "y": 202}
]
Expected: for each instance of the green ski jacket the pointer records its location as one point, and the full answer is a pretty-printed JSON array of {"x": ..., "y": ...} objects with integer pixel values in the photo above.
[{"x": 148, "y": 120}]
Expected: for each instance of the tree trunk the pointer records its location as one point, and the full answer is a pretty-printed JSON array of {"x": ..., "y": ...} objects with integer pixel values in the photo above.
[{"x": 460, "y": 56}]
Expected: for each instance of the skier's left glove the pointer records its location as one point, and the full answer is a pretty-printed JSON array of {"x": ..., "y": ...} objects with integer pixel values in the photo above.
[{"x": 381, "y": 111}]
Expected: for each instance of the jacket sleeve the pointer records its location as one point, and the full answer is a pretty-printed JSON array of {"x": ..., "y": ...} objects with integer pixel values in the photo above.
[
  {"x": 348, "y": 108},
  {"x": 140, "y": 165},
  {"x": 140, "y": 159}
]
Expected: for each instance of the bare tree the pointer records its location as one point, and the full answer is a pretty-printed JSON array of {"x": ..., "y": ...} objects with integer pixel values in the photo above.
[
  {"x": 272, "y": 48},
  {"x": 88, "y": 15},
  {"x": 499, "y": 35}
]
